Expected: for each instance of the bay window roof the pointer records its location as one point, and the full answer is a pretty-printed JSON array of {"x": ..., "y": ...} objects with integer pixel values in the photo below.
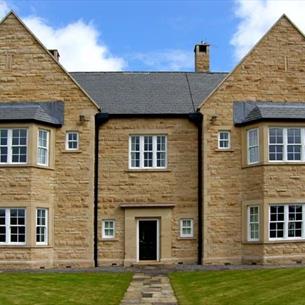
[
  {"x": 249, "y": 112},
  {"x": 51, "y": 113}
]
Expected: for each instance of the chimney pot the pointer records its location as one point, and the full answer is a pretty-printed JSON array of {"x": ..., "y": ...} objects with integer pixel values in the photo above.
[
  {"x": 202, "y": 57},
  {"x": 55, "y": 54}
]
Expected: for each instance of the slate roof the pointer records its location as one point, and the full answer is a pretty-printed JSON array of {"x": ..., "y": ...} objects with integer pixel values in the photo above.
[
  {"x": 43, "y": 112},
  {"x": 249, "y": 112},
  {"x": 148, "y": 92}
]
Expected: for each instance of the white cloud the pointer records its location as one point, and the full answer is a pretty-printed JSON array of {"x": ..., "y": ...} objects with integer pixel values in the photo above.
[
  {"x": 4, "y": 9},
  {"x": 166, "y": 60},
  {"x": 78, "y": 43},
  {"x": 257, "y": 16}
]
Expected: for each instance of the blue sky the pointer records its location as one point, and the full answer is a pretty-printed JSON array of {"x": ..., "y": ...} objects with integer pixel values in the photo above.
[{"x": 149, "y": 35}]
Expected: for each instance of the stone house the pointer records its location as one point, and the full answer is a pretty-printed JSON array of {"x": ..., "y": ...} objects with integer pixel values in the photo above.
[{"x": 123, "y": 168}]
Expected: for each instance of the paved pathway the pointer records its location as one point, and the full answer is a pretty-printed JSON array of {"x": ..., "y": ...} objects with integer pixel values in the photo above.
[{"x": 149, "y": 289}]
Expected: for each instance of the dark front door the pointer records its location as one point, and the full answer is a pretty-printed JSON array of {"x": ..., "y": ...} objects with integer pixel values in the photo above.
[{"x": 147, "y": 240}]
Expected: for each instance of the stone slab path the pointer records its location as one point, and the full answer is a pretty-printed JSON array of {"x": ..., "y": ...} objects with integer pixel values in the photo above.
[{"x": 149, "y": 289}]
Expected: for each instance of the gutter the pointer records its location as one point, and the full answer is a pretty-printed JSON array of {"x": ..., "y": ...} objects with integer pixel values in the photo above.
[
  {"x": 100, "y": 119},
  {"x": 197, "y": 119}
]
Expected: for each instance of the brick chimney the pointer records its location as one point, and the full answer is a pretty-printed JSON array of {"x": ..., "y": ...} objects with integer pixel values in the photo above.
[
  {"x": 55, "y": 54},
  {"x": 202, "y": 57}
]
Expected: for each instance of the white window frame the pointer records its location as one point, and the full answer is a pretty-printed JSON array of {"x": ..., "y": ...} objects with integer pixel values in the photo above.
[
  {"x": 104, "y": 236},
  {"x": 285, "y": 144},
  {"x": 286, "y": 222},
  {"x": 44, "y": 148},
  {"x": 8, "y": 226},
  {"x": 154, "y": 152},
  {"x": 68, "y": 141},
  {"x": 249, "y": 222},
  {"x": 185, "y": 235},
  {"x": 46, "y": 226},
  {"x": 228, "y": 132},
  {"x": 252, "y": 146},
  {"x": 10, "y": 145}
]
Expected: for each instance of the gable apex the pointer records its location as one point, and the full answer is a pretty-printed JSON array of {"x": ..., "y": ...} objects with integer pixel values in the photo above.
[
  {"x": 276, "y": 24},
  {"x": 15, "y": 16}
]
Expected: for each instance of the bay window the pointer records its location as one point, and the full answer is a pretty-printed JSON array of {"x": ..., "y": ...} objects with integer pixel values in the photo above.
[
  {"x": 286, "y": 221},
  {"x": 286, "y": 144},
  {"x": 12, "y": 226},
  {"x": 43, "y": 147},
  {"x": 148, "y": 151},
  {"x": 253, "y": 223},
  {"x": 253, "y": 145},
  {"x": 41, "y": 226},
  {"x": 13, "y": 145}
]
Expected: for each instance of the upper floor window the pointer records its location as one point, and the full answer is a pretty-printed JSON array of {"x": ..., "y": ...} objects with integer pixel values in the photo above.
[
  {"x": 285, "y": 144},
  {"x": 72, "y": 140},
  {"x": 224, "y": 139},
  {"x": 43, "y": 147},
  {"x": 12, "y": 226},
  {"x": 253, "y": 145},
  {"x": 13, "y": 145},
  {"x": 286, "y": 221},
  {"x": 253, "y": 223},
  {"x": 148, "y": 151}
]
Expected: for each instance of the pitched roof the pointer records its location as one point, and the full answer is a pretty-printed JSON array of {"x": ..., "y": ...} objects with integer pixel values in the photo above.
[
  {"x": 250, "y": 112},
  {"x": 148, "y": 92},
  {"x": 44, "y": 112}
]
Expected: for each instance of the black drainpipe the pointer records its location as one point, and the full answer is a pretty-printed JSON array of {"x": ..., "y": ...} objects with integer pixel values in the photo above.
[
  {"x": 100, "y": 118},
  {"x": 197, "y": 119}
]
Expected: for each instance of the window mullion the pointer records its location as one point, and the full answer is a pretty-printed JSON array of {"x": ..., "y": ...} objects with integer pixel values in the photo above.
[
  {"x": 303, "y": 220},
  {"x": 129, "y": 152},
  {"x": 154, "y": 142},
  {"x": 9, "y": 145},
  {"x": 286, "y": 209},
  {"x": 285, "y": 141},
  {"x": 142, "y": 151},
  {"x": 7, "y": 225},
  {"x": 302, "y": 145}
]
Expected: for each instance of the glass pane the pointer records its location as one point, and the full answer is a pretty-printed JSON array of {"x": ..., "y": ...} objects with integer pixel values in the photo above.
[
  {"x": 294, "y": 136},
  {"x": 276, "y": 135}
]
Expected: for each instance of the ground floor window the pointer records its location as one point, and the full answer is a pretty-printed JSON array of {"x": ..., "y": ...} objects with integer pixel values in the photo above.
[
  {"x": 286, "y": 221},
  {"x": 186, "y": 227},
  {"x": 253, "y": 223},
  {"x": 12, "y": 226},
  {"x": 108, "y": 228},
  {"x": 41, "y": 226}
]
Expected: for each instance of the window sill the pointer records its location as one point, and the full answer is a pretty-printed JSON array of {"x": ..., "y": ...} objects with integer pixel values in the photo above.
[
  {"x": 147, "y": 170},
  {"x": 25, "y": 166},
  {"x": 109, "y": 239},
  {"x": 2, "y": 246},
  {"x": 186, "y": 238},
  {"x": 270, "y": 242},
  {"x": 224, "y": 150},
  {"x": 78, "y": 151}
]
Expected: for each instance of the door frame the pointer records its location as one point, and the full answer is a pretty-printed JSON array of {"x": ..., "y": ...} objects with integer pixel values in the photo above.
[{"x": 158, "y": 238}]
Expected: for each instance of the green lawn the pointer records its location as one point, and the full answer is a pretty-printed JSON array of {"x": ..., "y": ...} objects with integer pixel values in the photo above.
[
  {"x": 63, "y": 288},
  {"x": 241, "y": 287}
]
